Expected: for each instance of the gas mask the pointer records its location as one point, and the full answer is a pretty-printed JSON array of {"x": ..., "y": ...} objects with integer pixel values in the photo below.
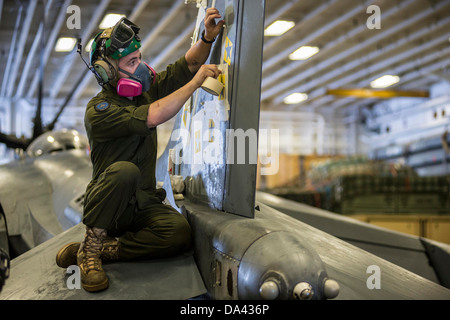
[{"x": 138, "y": 82}]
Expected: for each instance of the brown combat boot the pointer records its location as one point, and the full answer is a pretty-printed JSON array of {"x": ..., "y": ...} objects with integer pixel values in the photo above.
[
  {"x": 93, "y": 277},
  {"x": 110, "y": 250},
  {"x": 67, "y": 255}
]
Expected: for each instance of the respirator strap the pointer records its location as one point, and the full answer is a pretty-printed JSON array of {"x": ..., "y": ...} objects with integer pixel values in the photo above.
[{"x": 132, "y": 76}]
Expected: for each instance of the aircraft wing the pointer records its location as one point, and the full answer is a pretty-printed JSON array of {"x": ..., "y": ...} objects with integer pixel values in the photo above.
[
  {"x": 410, "y": 252},
  {"x": 35, "y": 276},
  {"x": 353, "y": 267},
  {"x": 35, "y": 196}
]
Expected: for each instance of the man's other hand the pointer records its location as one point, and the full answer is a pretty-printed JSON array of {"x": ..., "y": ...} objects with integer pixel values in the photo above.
[{"x": 212, "y": 29}]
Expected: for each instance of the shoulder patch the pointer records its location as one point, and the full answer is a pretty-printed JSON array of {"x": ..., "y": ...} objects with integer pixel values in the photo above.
[{"x": 102, "y": 106}]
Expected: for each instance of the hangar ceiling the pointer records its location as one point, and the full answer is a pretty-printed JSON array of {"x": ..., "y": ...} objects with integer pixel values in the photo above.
[{"x": 410, "y": 40}]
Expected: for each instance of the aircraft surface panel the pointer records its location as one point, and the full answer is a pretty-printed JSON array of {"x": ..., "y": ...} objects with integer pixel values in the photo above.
[{"x": 35, "y": 275}]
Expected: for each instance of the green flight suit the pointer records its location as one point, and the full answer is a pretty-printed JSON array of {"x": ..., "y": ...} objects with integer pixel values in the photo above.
[{"x": 121, "y": 196}]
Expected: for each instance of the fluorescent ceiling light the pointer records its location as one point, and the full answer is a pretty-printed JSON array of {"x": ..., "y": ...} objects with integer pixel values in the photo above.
[
  {"x": 384, "y": 81},
  {"x": 110, "y": 20},
  {"x": 278, "y": 28},
  {"x": 65, "y": 44},
  {"x": 295, "y": 98},
  {"x": 303, "y": 53}
]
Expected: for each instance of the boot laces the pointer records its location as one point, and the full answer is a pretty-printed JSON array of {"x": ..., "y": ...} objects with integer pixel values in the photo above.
[{"x": 93, "y": 248}]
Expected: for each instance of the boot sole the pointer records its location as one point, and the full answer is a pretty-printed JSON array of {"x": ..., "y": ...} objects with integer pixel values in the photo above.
[
  {"x": 62, "y": 251},
  {"x": 96, "y": 287}
]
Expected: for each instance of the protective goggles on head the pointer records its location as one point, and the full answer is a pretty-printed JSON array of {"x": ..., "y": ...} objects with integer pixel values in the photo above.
[{"x": 123, "y": 40}]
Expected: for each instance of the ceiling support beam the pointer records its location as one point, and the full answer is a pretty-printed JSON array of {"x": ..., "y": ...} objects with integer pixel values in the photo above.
[
  {"x": 299, "y": 26},
  {"x": 138, "y": 9},
  {"x": 32, "y": 54},
  {"x": 11, "y": 53},
  {"x": 1, "y": 9},
  {"x": 61, "y": 16},
  {"x": 18, "y": 54},
  {"x": 422, "y": 72},
  {"x": 325, "y": 101},
  {"x": 281, "y": 11},
  {"x": 287, "y": 86},
  {"x": 401, "y": 70},
  {"x": 171, "y": 15},
  {"x": 70, "y": 59},
  {"x": 178, "y": 41},
  {"x": 412, "y": 78},
  {"x": 320, "y": 82},
  {"x": 30, "y": 57},
  {"x": 271, "y": 62},
  {"x": 284, "y": 71}
]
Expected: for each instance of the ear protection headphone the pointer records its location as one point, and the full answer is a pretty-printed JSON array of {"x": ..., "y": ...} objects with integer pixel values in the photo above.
[{"x": 106, "y": 68}]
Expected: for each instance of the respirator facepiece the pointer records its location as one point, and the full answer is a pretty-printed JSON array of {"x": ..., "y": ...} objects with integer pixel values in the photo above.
[{"x": 138, "y": 82}]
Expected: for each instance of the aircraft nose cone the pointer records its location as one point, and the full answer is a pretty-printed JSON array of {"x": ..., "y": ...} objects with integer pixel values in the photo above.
[{"x": 277, "y": 263}]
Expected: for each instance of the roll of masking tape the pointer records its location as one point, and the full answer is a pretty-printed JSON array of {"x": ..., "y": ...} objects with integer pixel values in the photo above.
[{"x": 212, "y": 86}]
